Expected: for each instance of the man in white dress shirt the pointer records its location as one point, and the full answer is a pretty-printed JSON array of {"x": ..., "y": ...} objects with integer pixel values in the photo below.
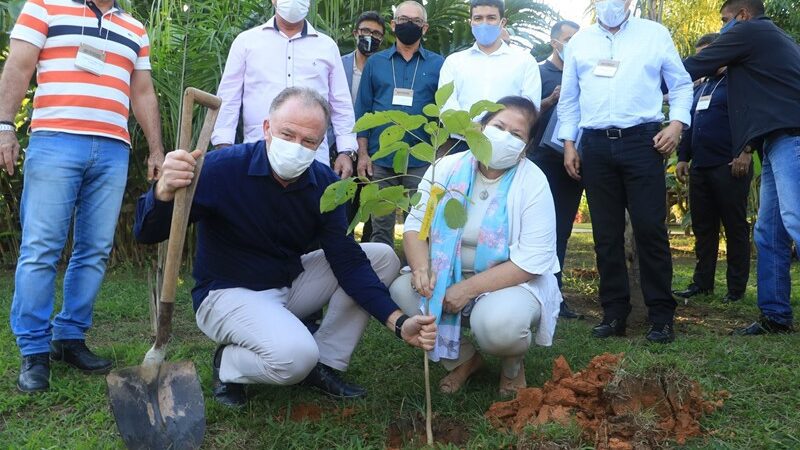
[
  {"x": 490, "y": 69},
  {"x": 611, "y": 88},
  {"x": 285, "y": 52}
]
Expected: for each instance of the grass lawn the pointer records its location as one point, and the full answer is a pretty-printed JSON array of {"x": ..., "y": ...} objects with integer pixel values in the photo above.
[{"x": 761, "y": 375}]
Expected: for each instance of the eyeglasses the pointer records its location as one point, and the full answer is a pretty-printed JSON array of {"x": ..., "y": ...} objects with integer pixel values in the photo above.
[
  {"x": 403, "y": 19},
  {"x": 370, "y": 32}
]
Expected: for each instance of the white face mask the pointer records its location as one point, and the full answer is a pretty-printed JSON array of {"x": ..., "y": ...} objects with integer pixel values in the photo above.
[
  {"x": 293, "y": 11},
  {"x": 611, "y": 12},
  {"x": 288, "y": 159},
  {"x": 506, "y": 149}
]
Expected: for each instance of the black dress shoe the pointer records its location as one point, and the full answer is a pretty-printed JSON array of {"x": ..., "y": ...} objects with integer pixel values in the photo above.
[
  {"x": 606, "y": 329},
  {"x": 567, "y": 313},
  {"x": 693, "y": 290},
  {"x": 328, "y": 381},
  {"x": 232, "y": 395},
  {"x": 661, "y": 333},
  {"x": 75, "y": 353},
  {"x": 764, "y": 326},
  {"x": 34, "y": 373},
  {"x": 731, "y": 298}
]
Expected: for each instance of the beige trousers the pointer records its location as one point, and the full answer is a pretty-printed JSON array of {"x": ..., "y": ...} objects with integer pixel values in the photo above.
[
  {"x": 268, "y": 343},
  {"x": 500, "y": 321}
]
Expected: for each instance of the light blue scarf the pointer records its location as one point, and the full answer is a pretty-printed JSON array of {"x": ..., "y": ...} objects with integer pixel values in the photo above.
[{"x": 492, "y": 249}]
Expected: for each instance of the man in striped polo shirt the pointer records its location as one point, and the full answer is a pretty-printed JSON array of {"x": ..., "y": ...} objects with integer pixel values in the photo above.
[{"x": 91, "y": 60}]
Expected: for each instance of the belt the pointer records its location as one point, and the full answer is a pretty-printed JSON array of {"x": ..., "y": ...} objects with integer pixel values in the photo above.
[{"x": 619, "y": 133}]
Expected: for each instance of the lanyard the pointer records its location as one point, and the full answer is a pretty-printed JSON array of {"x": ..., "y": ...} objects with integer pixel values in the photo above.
[
  {"x": 394, "y": 76},
  {"x": 702, "y": 93}
]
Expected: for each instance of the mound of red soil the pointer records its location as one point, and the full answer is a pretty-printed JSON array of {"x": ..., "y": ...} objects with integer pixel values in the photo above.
[{"x": 616, "y": 410}]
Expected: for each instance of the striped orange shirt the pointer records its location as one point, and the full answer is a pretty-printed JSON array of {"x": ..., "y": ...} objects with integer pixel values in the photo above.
[{"x": 72, "y": 100}]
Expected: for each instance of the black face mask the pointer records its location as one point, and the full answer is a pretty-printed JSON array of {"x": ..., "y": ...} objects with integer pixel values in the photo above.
[
  {"x": 408, "y": 33},
  {"x": 368, "y": 44}
]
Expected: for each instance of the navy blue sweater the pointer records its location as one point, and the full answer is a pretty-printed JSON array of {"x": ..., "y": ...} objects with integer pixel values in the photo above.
[
  {"x": 707, "y": 143},
  {"x": 252, "y": 231}
]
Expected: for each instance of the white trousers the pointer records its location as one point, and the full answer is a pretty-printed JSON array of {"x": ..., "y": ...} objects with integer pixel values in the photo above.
[
  {"x": 268, "y": 343},
  {"x": 500, "y": 321}
]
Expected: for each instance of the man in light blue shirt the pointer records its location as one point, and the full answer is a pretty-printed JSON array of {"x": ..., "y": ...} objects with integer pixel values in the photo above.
[{"x": 611, "y": 88}]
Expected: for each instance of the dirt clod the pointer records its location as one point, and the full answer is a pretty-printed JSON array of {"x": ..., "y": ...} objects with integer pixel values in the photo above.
[{"x": 616, "y": 410}]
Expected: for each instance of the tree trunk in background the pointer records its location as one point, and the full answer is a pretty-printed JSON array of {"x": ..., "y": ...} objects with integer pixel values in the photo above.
[{"x": 638, "y": 313}]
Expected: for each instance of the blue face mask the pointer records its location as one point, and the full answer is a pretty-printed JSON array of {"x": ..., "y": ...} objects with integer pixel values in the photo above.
[
  {"x": 728, "y": 26},
  {"x": 486, "y": 34}
]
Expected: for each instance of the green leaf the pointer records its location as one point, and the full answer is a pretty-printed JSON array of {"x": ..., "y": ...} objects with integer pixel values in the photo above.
[
  {"x": 394, "y": 194},
  {"x": 354, "y": 222},
  {"x": 391, "y": 135},
  {"x": 431, "y": 110},
  {"x": 415, "y": 198},
  {"x": 423, "y": 152},
  {"x": 337, "y": 194},
  {"x": 431, "y": 127},
  {"x": 389, "y": 149},
  {"x": 400, "y": 163},
  {"x": 479, "y": 145},
  {"x": 378, "y": 208},
  {"x": 484, "y": 106},
  {"x": 371, "y": 120},
  {"x": 443, "y": 94},
  {"x": 454, "y": 214},
  {"x": 368, "y": 193},
  {"x": 456, "y": 122}
]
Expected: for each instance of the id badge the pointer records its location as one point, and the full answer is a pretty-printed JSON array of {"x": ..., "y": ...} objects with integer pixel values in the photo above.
[
  {"x": 703, "y": 103},
  {"x": 90, "y": 59},
  {"x": 606, "y": 68},
  {"x": 403, "y": 97}
]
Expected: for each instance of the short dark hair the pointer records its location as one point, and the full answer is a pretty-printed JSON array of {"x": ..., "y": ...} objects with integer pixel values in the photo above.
[
  {"x": 499, "y": 4},
  {"x": 559, "y": 27},
  {"x": 371, "y": 16},
  {"x": 755, "y": 7},
  {"x": 523, "y": 105},
  {"x": 706, "y": 39}
]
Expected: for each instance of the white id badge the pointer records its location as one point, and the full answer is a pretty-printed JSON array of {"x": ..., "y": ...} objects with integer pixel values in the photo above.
[
  {"x": 90, "y": 59},
  {"x": 703, "y": 103},
  {"x": 403, "y": 97},
  {"x": 606, "y": 68}
]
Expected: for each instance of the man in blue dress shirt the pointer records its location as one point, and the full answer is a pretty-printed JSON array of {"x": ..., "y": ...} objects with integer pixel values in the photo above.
[
  {"x": 257, "y": 208},
  {"x": 719, "y": 185},
  {"x": 611, "y": 88}
]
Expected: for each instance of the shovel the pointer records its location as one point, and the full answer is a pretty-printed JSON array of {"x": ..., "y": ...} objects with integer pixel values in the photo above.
[{"x": 159, "y": 405}]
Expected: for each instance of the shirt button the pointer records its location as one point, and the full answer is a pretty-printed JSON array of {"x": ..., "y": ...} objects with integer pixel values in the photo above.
[{"x": 290, "y": 57}]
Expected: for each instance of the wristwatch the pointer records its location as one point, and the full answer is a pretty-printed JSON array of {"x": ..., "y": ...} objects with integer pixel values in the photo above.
[
  {"x": 7, "y": 126},
  {"x": 351, "y": 153}
]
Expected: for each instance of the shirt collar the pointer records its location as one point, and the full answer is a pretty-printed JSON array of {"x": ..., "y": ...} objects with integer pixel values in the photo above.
[
  {"x": 308, "y": 29},
  {"x": 259, "y": 167},
  {"x": 504, "y": 48},
  {"x": 421, "y": 51},
  {"x": 114, "y": 9}
]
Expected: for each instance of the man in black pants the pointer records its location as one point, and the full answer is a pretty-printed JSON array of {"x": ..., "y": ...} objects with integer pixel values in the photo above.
[
  {"x": 719, "y": 184},
  {"x": 566, "y": 191},
  {"x": 611, "y": 89}
]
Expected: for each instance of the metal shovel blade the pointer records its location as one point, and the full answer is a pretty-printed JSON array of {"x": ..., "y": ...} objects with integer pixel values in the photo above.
[{"x": 158, "y": 407}]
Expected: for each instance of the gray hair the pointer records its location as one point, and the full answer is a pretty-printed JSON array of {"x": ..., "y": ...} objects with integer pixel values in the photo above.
[
  {"x": 307, "y": 96},
  {"x": 417, "y": 4}
]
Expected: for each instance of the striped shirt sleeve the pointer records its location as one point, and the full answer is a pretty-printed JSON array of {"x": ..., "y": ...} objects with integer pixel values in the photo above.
[
  {"x": 32, "y": 24},
  {"x": 143, "y": 59}
]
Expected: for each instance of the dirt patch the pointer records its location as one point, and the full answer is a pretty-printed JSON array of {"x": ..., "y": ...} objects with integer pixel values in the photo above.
[
  {"x": 410, "y": 432},
  {"x": 616, "y": 410},
  {"x": 313, "y": 413}
]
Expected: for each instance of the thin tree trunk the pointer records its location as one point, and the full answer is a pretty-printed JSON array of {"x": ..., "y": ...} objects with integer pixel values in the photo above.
[{"x": 638, "y": 313}]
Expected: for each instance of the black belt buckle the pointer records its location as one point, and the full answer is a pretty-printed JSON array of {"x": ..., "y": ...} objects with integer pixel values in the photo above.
[{"x": 614, "y": 133}]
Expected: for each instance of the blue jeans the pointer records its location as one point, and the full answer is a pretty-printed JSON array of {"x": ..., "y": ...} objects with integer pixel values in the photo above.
[
  {"x": 68, "y": 179},
  {"x": 778, "y": 224}
]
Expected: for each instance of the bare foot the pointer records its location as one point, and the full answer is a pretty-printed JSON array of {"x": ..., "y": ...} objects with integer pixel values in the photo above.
[
  {"x": 509, "y": 386},
  {"x": 454, "y": 380}
]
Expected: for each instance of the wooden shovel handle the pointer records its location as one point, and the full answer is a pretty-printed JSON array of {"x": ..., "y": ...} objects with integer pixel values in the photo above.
[{"x": 183, "y": 202}]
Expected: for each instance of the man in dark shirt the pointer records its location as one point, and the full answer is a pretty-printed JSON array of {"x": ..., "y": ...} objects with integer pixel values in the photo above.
[
  {"x": 403, "y": 77},
  {"x": 566, "y": 191},
  {"x": 257, "y": 207},
  {"x": 719, "y": 185},
  {"x": 764, "y": 103}
]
